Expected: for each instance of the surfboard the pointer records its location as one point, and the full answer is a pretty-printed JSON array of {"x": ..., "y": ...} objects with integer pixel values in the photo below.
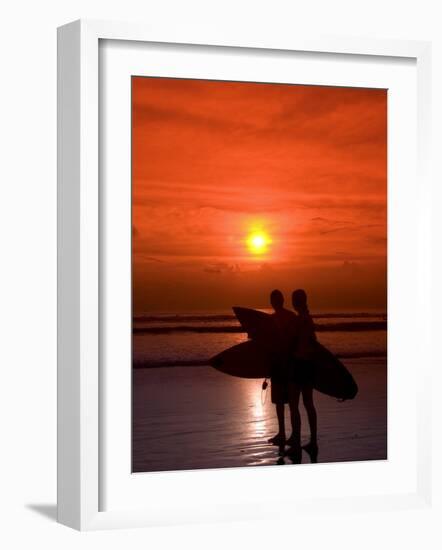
[
  {"x": 245, "y": 360},
  {"x": 260, "y": 327},
  {"x": 257, "y": 324},
  {"x": 330, "y": 376},
  {"x": 252, "y": 359}
]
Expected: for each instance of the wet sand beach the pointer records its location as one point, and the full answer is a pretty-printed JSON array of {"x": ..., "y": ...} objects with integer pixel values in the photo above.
[{"x": 195, "y": 417}]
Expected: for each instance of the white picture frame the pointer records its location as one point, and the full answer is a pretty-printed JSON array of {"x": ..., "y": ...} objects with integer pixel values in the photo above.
[{"x": 80, "y": 270}]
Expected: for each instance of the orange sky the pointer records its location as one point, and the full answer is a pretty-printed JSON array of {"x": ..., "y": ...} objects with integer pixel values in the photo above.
[{"x": 214, "y": 161}]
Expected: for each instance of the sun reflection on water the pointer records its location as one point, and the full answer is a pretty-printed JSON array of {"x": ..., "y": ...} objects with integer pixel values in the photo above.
[{"x": 258, "y": 423}]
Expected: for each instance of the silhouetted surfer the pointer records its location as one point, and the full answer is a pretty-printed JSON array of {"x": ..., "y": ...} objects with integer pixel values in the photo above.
[
  {"x": 301, "y": 375},
  {"x": 285, "y": 321}
]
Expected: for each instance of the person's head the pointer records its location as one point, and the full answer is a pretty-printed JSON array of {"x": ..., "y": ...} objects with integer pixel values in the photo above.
[
  {"x": 276, "y": 299},
  {"x": 299, "y": 300}
]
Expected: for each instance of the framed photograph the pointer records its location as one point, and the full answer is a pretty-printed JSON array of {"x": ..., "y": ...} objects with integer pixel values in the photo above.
[{"x": 242, "y": 256}]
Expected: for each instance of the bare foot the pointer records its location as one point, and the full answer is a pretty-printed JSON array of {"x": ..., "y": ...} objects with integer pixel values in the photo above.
[{"x": 278, "y": 439}]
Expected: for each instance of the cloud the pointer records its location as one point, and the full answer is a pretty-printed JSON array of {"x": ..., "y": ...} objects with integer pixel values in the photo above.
[
  {"x": 219, "y": 268},
  {"x": 140, "y": 256},
  {"x": 149, "y": 116}
]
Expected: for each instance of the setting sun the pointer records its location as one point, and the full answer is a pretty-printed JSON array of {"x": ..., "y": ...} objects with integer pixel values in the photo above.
[{"x": 258, "y": 243}]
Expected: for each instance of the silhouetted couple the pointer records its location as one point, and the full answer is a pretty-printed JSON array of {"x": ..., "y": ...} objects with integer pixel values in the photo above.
[{"x": 292, "y": 372}]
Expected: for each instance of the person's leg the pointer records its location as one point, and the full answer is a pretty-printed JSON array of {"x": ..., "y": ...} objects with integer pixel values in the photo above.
[
  {"x": 295, "y": 438},
  {"x": 279, "y": 438},
  {"x": 278, "y": 400},
  {"x": 281, "y": 420},
  {"x": 307, "y": 398}
]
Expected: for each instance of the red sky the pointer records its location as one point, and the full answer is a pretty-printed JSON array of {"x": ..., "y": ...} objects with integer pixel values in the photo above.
[{"x": 214, "y": 161}]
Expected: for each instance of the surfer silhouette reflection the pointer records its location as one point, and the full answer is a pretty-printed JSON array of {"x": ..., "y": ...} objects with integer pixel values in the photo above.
[{"x": 291, "y": 372}]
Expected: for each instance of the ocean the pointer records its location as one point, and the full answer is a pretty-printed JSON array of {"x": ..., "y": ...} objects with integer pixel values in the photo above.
[{"x": 190, "y": 339}]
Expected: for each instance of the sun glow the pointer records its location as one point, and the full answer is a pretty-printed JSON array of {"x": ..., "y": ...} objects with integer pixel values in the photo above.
[{"x": 258, "y": 242}]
